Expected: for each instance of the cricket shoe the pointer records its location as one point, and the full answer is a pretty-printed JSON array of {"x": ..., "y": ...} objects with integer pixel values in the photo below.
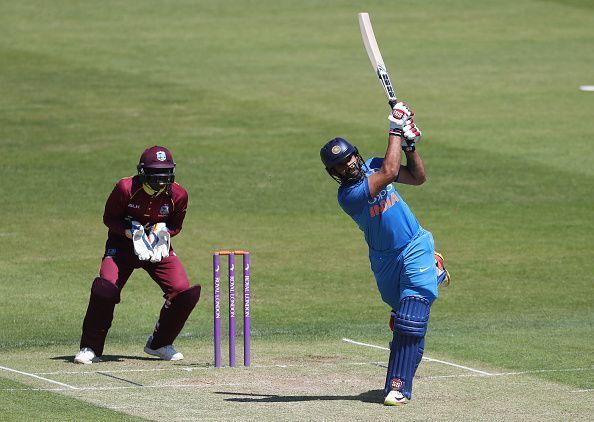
[
  {"x": 395, "y": 398},
  {"x": 443, "y": 276},
  {"x": 165, "y": 353},
  {"x": 85, "y": 356}
]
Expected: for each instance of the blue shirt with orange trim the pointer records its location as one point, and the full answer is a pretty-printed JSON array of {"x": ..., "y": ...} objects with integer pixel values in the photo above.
[{"x": 386, "y": 220}]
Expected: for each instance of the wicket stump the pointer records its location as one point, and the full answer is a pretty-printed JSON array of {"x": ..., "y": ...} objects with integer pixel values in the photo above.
[{"x": 216, "y": 267}]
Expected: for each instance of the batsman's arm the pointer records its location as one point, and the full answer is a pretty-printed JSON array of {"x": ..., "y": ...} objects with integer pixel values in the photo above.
[
  {"x": 413, "y": 172},
  {"x": 390, "y": 166}
]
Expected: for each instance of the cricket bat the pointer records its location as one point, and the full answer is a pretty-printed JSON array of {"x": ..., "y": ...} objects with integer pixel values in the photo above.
[{"x": 375, "y": 57}]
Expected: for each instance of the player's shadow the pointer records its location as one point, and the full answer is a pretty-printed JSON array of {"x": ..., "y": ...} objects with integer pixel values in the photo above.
[
  {"x": 107, "y": 358},
  {"x": 372, "y": 396}
]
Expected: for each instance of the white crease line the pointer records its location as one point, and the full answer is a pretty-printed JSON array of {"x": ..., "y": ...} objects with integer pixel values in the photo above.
[
  {"x": 125, "y": 387},
  {"x": 206, "y": 385},
  {"x": 38, "y": 377},
  {"x": 457, "y": 366},
  {"x": 504, "y": 374},
  {"x": 187, "y": 369},
  {"x": 481, "y": 373},
  {"x": 537, "y": 371},
  {"x": 113, "y": 371},
  {"x": 358, "y": 343}
]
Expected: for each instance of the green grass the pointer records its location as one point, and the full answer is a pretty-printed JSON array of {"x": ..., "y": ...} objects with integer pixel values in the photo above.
[{"x": 245, "y": 94}]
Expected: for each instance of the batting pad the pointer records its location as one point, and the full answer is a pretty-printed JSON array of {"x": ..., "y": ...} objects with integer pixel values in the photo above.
[{"x": 406, "y": 349}]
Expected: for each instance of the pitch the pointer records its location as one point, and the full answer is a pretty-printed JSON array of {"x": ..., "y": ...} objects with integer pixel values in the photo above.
[{"x": 245, "y": 95}]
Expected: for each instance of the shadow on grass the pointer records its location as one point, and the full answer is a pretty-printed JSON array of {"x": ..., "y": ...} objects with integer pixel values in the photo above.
[
  {"x": 107, "y": 358},
  {"x": 372, "y": 396}
]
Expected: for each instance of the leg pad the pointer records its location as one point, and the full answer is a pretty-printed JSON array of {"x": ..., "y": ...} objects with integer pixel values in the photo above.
[
  {"x": 406, "y": 349},
  {"x": 104, "y": 296},
  {"x": 174, "y": 314}
]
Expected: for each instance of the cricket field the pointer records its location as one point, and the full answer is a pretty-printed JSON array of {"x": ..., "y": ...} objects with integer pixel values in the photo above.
[{"x": 245, "y": 93}]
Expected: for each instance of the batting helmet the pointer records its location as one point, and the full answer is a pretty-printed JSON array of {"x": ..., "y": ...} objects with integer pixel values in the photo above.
[{"x": 337, "y": 151}]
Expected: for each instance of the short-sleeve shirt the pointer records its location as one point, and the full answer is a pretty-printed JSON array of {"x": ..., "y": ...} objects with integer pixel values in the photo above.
[{"x": 386, "y": 220}]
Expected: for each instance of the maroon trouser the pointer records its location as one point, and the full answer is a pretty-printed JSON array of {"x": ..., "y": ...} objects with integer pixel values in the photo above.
[{"x": 117, "y": 265}]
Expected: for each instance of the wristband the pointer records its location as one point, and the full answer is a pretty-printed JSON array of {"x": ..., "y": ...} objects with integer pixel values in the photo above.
[{"x": 396, "y": 131}]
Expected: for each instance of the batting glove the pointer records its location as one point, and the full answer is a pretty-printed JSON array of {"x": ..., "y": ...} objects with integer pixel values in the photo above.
[
  {"x": 411, "y": 134},
  {"x": 399, "y": 116}
]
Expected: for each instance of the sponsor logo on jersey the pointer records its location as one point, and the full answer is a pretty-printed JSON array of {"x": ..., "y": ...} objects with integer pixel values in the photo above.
[
  {"x": 382, "y": 201},
  {"x": 111, "y": 252},
  {"x": 164, "y": 210},
  {"x": 135, "y": 206}
]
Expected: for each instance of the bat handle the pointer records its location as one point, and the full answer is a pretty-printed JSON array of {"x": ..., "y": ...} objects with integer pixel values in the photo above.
[{"x": 392, "y": 103}]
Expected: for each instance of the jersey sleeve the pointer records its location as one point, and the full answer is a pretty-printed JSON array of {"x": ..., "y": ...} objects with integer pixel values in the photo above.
[
  {"x": 114, "y": 216},
  {"x": 354, "y": 198},
  {"x": 374, "y": 163},
  {"x": 180, "y": 205}
]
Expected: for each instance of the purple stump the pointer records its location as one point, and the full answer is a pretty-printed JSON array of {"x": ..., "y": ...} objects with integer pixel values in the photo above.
[
  {"x": 247, "y": 331},
  {"x": 216, "y": 270},
  {"x": 232, "y": 310}
]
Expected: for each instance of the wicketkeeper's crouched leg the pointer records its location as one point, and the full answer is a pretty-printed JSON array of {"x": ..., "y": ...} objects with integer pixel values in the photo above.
[
  {"x": 174, "y": 315},
  {"x": 104, "y": 296}
]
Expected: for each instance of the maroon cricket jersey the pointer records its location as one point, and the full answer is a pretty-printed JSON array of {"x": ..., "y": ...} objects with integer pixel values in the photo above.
[{"x": 129, "y": 200}]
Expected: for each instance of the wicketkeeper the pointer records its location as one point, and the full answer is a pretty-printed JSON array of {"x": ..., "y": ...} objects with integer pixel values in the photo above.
[
  {"x": 142, "y": 213},
  {"x": 403, "y": 260}
]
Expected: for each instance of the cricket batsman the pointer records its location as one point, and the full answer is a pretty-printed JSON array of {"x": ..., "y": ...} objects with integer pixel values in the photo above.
[
  {"x": 401, "y": 252},
  {"x": 142, "y": 213}
]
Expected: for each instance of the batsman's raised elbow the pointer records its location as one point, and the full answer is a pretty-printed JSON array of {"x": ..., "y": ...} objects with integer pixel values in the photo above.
[{"x": 417, "y": 180}]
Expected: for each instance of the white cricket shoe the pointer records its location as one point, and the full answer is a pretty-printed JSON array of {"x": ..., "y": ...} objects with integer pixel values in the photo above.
[
  {"x": 166, "y": 352},
  {"x": 85, "y": 356},
  {"x": 395, "y": 398}
]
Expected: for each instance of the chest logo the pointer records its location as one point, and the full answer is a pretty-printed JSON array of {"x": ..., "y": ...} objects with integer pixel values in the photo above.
[
  {"x": 383, "y": 201},
  {"x": 164, "y": 210}
]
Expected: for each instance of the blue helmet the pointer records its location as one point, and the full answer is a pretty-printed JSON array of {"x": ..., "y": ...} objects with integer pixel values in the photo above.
[{"x": 337, "y": 151}]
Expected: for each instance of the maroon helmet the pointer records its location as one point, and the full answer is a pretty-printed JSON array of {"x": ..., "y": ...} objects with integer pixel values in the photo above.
[{"x": 156, "y": 167}]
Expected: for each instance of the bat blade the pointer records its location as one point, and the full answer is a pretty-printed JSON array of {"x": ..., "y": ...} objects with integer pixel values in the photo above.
[{"x": 375, "y": 57}]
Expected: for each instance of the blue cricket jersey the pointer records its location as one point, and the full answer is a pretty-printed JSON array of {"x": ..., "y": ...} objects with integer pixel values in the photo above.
[{"x": 387, "y": 222}]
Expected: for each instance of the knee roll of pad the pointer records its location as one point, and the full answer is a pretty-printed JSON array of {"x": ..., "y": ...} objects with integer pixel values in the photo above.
[
  {"x": 412, "y": 316},
  {"x": 105, "y": 290},
  {"x": 187, "y": 298}
]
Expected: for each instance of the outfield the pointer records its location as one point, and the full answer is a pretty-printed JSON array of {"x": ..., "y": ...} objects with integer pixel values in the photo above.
[{"x": 245, "y": 94}]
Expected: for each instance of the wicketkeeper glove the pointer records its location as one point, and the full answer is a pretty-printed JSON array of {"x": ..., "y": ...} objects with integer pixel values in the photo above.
[
  {"x": 161, "y": 239},
  {"x": 141, "y": 246}
]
